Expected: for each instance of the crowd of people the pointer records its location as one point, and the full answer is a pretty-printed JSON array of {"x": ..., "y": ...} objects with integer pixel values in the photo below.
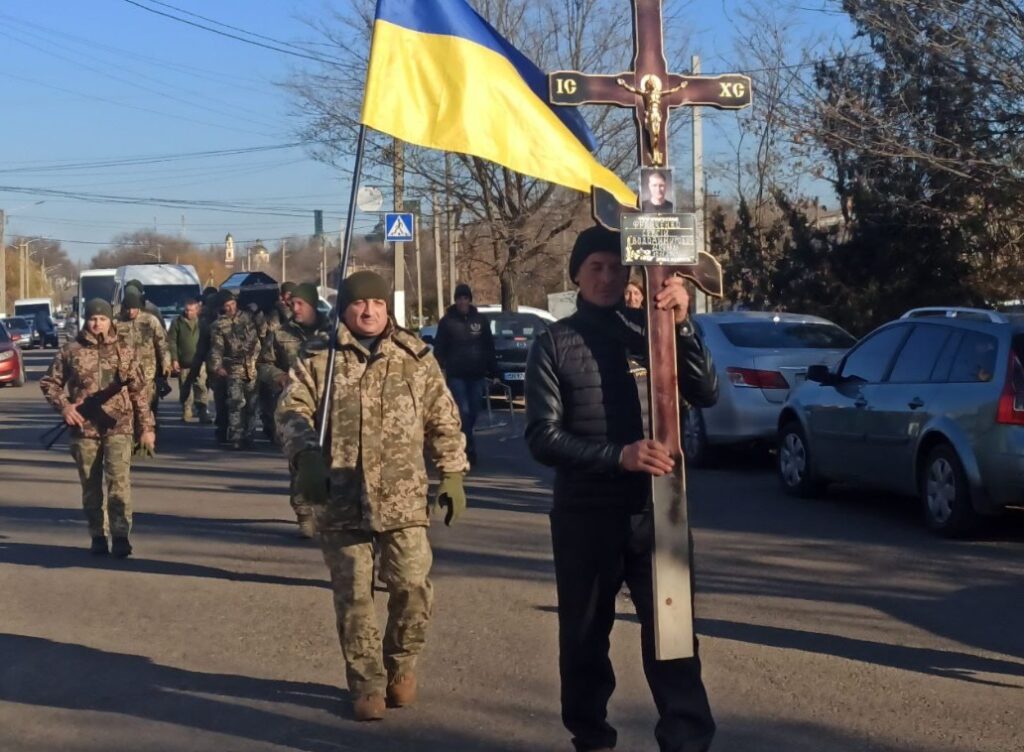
[{"x": 355, "y": 405}]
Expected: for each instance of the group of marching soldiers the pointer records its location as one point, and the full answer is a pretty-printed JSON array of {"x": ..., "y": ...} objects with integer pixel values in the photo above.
[{"x": 118, "y": 368}]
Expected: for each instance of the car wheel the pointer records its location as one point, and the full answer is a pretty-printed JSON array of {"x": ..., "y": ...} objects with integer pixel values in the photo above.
[
  {"x": 696, "y": 449},
  {"x": 946, "y": 494},
  {"x": 796, "y": 473}
]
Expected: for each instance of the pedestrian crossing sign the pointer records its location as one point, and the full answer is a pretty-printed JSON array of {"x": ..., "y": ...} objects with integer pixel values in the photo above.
[{"x": 398, "y": 226}]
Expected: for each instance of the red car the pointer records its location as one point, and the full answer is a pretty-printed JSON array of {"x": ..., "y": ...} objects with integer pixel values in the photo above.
[{"x": 12, "y": 366}]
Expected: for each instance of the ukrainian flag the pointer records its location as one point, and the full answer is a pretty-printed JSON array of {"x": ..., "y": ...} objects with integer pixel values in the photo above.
[{"x": 440, "y": 76}]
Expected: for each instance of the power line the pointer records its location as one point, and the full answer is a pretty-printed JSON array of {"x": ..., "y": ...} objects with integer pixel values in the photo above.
[
  {"x": 284, "y": 50},
  {"x": 148, "y": 160}
]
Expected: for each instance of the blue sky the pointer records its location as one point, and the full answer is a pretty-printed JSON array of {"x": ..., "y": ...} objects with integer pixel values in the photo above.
[{"x": 91, "y": 80}]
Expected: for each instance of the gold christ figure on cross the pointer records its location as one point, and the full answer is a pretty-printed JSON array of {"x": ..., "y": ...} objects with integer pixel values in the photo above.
[{"x": 651, "y": 91}]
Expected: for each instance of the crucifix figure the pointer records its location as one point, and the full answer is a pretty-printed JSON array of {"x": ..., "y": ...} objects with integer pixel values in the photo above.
[{"x": 653, "y": 92}]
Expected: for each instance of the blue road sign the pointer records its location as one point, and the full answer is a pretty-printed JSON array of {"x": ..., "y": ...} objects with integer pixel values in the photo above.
[{"x": 398, "y": 226}]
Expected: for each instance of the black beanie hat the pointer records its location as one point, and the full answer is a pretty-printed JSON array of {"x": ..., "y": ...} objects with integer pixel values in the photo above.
[
  {"x": 288, "y": 287},
  {"x": 132, "y": 298},
  {"x": 592, "y": 240},
  {"x": 462, "y": 290},
  {"x": 305, "y": 291},
  {"x": 223, "y": 296},
  {"x": 365, "y": 285},
  {"x": 98, "y": 307},
  {"x": 207, "y": 291},
  {"x": 136, "y": 284}
]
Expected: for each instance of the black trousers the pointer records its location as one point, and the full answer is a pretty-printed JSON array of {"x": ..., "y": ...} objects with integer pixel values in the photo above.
[{"x": 595, "y": 552}]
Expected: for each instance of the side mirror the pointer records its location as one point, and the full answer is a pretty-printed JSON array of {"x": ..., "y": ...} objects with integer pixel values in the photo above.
[{"x": 820, "y": 374}]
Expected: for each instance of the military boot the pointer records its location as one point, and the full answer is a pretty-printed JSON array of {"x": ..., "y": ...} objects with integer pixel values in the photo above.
[
  {"x": 307, "y": 524},
  {"x": 368, "y": 707},
  {"x": 99, "y": 545},
  {"x": 204, "y": 416},
  {"x": 121, "y": 548},
  {"x": 186, "y": 415},
  {"x": 402, "y": 691}
]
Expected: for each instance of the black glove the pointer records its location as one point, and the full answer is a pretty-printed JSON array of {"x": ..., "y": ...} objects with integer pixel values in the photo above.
[{"x": 311, "y": 476}]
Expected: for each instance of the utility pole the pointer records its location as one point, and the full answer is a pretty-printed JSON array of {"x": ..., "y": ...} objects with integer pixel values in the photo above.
[
  {"x": 3, "y": 263},
  {"x": 419, "y": 274},
  {"x": 323, "y": 265},
  {"x": 438, "y": 265},
  {"x": 24, "y": 270},
  {"x": 702, "y": 302},
  {"x": 399, "y": 248},
  {"x": 284, "y": 260}
]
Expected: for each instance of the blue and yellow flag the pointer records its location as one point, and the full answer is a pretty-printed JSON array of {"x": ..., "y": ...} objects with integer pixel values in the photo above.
[{"x": 440, "y": 76}]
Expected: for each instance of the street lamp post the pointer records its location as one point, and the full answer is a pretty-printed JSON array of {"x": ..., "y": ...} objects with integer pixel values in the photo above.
[{"x": 25, "y": 282}]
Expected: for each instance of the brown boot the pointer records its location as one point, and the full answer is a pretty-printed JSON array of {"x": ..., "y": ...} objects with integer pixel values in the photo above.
[
  {"x": 402, "y": 691},
  {"x": 368, "y": 707},
  {"x": 307, "y": 525}
]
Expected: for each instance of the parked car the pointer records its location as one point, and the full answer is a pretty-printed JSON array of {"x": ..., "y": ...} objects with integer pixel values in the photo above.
[
  {"x": 513, "y": 334},
  {"x": 12, "y": 366},
  {"x": 20, "y": 330},
  {"x": 759, "y": 357},
  {"x": 930, "y": 405}
]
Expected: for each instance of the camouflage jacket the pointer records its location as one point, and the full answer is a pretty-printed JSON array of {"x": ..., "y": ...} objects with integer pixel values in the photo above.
[
  {"x": 235, "y": 345},
  {"x": 284, "y": 344},
  {"x": 270, "y": 322},
  {"x": 146, "y": 335},
  {"x": 385, "y": 407},
  {"x": 89, "y": 365}
]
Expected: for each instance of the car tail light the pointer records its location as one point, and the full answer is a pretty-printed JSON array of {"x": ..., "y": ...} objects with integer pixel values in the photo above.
[
  {"x": 755, "y": 379},
  {"x": 15, "y": 337},
  {"x": 1011, "y": 401}
]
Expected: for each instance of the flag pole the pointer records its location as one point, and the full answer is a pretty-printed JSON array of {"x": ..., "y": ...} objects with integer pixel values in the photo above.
[{"x": 344, "y": 251}]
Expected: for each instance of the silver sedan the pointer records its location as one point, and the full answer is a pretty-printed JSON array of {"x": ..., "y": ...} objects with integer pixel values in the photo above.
[{"x": 759, "y": 357}]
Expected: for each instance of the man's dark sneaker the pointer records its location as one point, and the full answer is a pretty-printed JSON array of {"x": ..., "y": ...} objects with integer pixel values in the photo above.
[
  {"x": 99, "y": 545},
  {"x": 471, "y": 456},
  {"x": 120, "y": 548}
]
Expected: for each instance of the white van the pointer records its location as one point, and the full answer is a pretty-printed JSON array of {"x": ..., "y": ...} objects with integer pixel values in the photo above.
[
  {"x": 94, "y": 283},
  {"x": 167, "y": 286}
]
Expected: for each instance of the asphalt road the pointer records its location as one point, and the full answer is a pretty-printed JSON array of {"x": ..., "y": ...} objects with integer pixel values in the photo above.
[{"x": 836, "y": 624}]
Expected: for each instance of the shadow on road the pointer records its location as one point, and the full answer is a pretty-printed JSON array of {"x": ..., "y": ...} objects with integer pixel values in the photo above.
[
  {"x": 53, "y": 674},
  {"x": 61, "y": 557}
]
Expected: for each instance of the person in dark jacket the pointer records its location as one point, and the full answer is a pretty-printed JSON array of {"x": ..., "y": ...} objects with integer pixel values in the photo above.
[
  {"x": 586, "y": 412},
  {"x": 464, "y": 347}
]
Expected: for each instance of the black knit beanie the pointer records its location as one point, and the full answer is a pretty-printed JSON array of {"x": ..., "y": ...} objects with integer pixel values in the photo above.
[
  {"x": 98, "y": 307},
  {"x": 592, "y": 240}
]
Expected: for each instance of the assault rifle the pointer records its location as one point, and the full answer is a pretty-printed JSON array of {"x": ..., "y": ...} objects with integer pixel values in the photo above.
[{"x": 91, "y": 409}]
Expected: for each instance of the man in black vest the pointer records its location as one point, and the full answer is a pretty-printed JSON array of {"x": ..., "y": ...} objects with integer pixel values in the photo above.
[
  {"x": 464, "y": 347},
  {"x": 586, "y": 412}
]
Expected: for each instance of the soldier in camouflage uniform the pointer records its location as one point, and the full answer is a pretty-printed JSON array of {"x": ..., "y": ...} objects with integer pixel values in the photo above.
[
  {"x": 389, "y": 402},
  {"x": 281, "y": 349},
  {"x": 212, "y": 302},
  {"x": 145, "y": 334},
  {"x": 97, "y": 361},
  {"x": 268, "y": 323},
  {"x": 234, "y": 348}
]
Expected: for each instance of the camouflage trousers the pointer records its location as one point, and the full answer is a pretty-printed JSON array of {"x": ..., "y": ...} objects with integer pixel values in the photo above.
[
  {"x": 300, "y": 506},
  {"x": 108, "y": 459},
  {"x": 405, "y": 559},
  {"x": 241, "y": 406},
  {"x": 195, "y": 400}
]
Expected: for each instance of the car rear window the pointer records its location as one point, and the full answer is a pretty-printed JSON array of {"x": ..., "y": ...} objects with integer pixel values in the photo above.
[
  {"x": 782, "y": 335},
  {"x": 17, "y": 323},
  {"x": 515, "y": 324},
  {"x": 975, "y": 359}
]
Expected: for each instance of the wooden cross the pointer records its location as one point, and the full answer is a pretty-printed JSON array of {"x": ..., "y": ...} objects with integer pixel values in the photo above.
[{"x": 652, "y": 91}]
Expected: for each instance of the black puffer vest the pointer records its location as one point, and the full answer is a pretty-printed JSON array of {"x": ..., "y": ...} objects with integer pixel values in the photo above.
[{"x": 600, "y": 358}]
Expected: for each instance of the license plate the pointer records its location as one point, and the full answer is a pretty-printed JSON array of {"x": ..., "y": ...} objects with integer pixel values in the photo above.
[{"x": 515, "y": 376}]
